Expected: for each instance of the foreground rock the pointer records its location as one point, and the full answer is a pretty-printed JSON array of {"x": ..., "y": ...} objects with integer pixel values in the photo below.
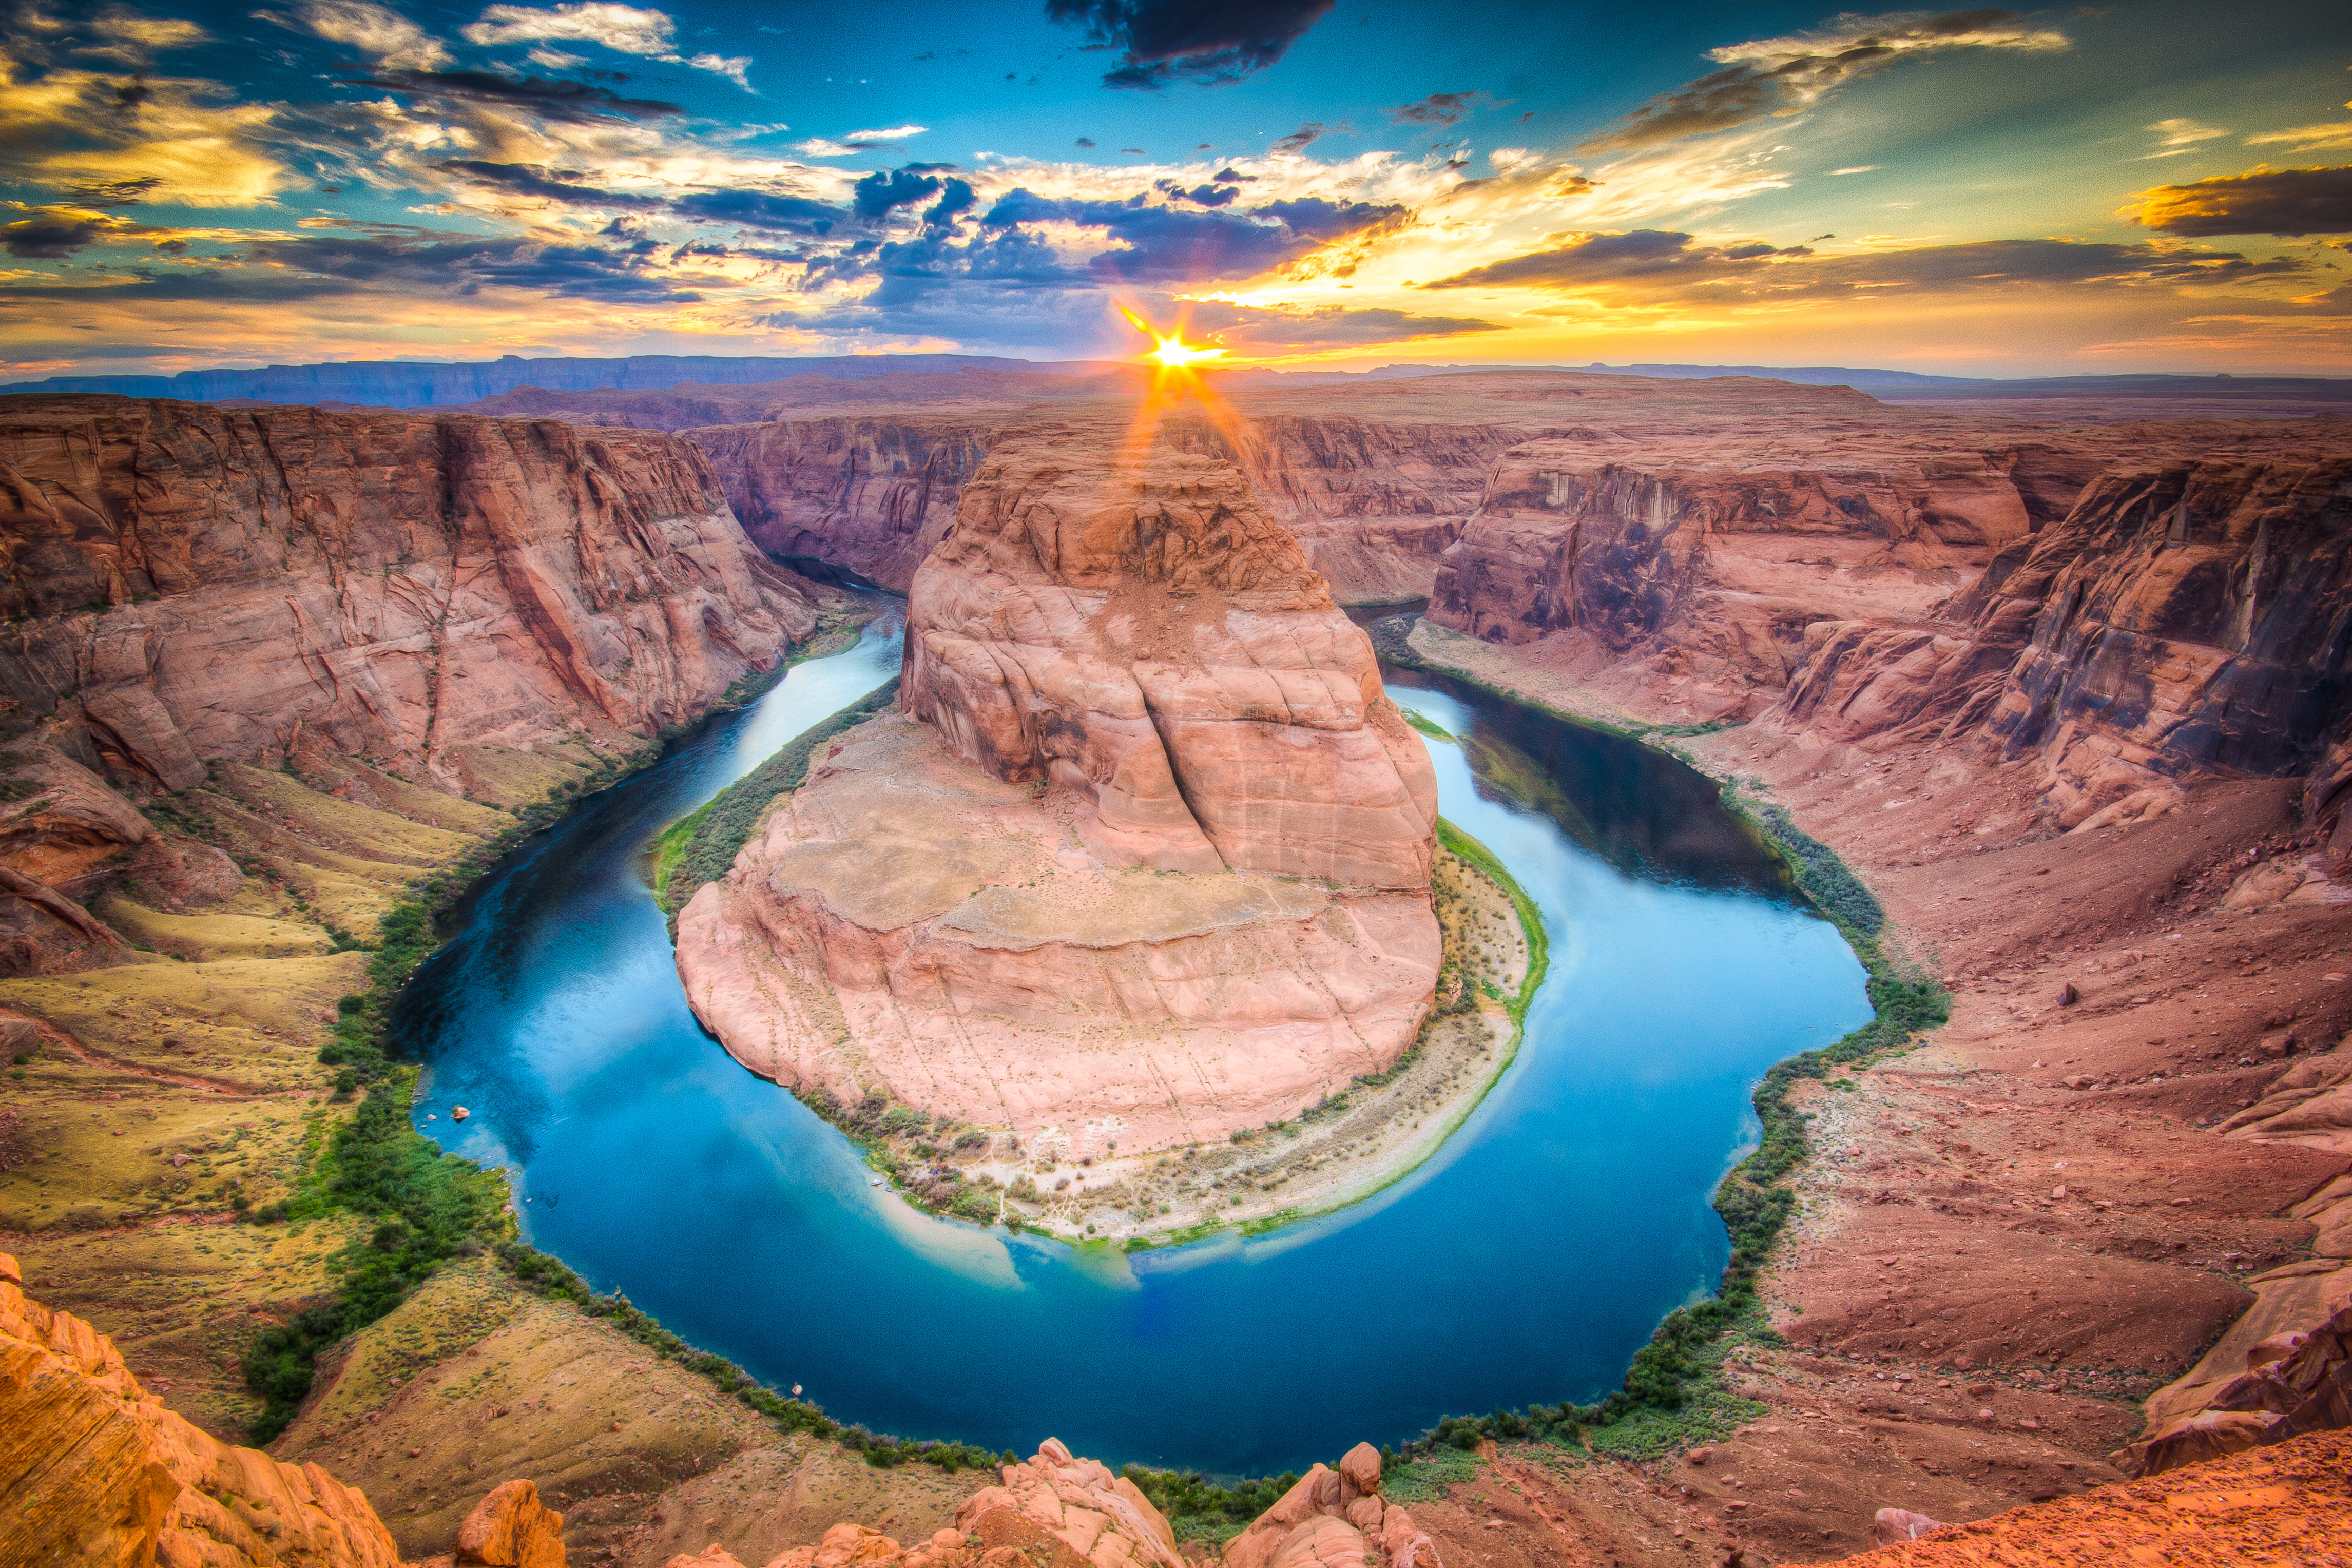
[
  {"x": 2280, "y": 1507},
  {"x": 94, "y": 1469},
  {"x": 970, "y": 909}
]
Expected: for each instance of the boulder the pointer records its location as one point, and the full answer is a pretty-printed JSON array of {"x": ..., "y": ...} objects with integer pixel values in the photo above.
[
  {"x": 511, "y": 1528},
  {"x": 1360, "y": 1471},
  {"x": 94, "y": 1469},
  {"x": 1890, "y": 1525}
]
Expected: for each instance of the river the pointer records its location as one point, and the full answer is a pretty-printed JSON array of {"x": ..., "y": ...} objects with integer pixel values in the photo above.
[{"x": 1524, "y": 1262}]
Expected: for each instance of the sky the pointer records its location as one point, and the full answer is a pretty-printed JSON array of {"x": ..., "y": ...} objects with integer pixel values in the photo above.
[{"x": 2102, "y": 189}]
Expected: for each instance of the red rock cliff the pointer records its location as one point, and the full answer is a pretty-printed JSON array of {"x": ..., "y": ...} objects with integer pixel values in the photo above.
[{"x": 197, "y": 582}]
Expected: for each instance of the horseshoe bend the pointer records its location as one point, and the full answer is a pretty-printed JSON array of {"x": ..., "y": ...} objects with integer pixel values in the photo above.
[
  {"x": 1143, "y": 859},
  {"x": 1175, "y": 784}
]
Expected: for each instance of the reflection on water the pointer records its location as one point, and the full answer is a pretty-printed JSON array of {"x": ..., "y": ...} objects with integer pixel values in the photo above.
[{"x": 1526, "y": 1262}]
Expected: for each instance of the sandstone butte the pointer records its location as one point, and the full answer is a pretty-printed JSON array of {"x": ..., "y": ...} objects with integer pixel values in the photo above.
[
  {"x": 441, "y": 594},
  {"x": 1143, "y": 860}
]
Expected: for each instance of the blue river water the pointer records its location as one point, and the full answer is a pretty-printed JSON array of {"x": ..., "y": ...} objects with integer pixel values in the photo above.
[{"x": 1527, "y": 1261}]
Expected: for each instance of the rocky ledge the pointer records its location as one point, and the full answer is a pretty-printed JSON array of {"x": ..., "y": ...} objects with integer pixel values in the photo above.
[{"x": 1145, "y": 861}]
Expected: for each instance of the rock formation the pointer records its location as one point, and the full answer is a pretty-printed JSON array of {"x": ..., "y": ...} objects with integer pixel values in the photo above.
[
  {"x": 1110, "y": 677},
  {"x": 872, "y": 494},
  {"x": 95, "y": 1470},
  {"x": 187, "y": 583},
  {"x": 1695, "y": 532},
  {"x": 2182, "y": 619},
  {"x": 1337, "y": 1518}
]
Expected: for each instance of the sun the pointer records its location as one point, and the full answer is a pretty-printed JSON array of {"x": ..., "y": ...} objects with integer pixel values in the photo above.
[
  {"x": 1174, "y": 354},
  {"x": 1177, "y": 354}
]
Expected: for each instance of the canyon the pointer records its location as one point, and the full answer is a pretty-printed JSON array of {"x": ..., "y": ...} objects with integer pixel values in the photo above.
[{"x": 2065, "y": 696}]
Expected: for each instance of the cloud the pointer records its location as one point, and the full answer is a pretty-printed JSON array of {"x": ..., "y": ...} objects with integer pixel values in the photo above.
[
  {"x": 2176, "y": 137},
  {"x": 1647, "y": 267},
  {"x": 2332, "y": 137},
  {"x": 2291, "y": 201},
  {"x": 625, "y": 29},
  {"x": 1247, "y": 327},
  {"x": 550, "y": 97},
  {"x": 1298, "y": 141},
  {"x": 1784, "y": 76},
  {"x": 1168, "y": 243},
  {"x": 856, "y": 141},
  {"x": 954, "y": 201},
  {"x": 1210, "y": 43},
  {"x": 1438, "y": 110},
  {"x": 555, "y": 60},
  {"x": 769, "y": 210},
  {"x": 54, "y": 232},
  {"x": 878, "y": 193},
  {"x": 532, "y": 180},
  {"x": 127, "y": 192},
  {"x": 1856, "y": 169},
  {"x": 385, "y": 37},
  {"x": 76, "y": 129},
  {"x": 411, "y": 259},
  {"x": 114, "y": 34}
]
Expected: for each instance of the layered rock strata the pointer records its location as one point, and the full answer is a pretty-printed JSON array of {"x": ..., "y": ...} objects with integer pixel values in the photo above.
[
  {"x": 94, "y": 1469},
  {"x": 188, "y": 583},
  {"x": 203, "y": 583},
  {"x": 2183, "y": 621},
  {"x": 1145, "y": 861}
]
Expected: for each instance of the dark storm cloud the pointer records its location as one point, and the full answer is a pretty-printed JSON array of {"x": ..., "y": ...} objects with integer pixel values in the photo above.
[
  {"x": 1167, "y": 243},
  {"x": 1208, "y": 42},
  {"x": 48, "y": 235},
  {"x": 550, "y": 97},
  {"x": 1325, "y": 328},
  {"x": 2292, "y": 202},
  {"x": 467, "y": 265},
  {"x": 554, "y": 185},
  {"x": 1654, "y": 261},
  {"x": 1439, "y": 109},
  {"x": 879, "y": 194}
]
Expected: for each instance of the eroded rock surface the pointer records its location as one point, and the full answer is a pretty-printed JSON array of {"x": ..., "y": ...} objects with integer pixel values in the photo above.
[
  {"x": 206, "y": 582},
  {"x": 1147, "y": 861},
  {"x": 94, "y": 1469}
]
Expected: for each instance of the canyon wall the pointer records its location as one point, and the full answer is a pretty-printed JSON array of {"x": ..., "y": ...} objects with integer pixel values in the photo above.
[
  {"x": 871, "y": 494},
  {"x": 189, "y": 582},
  {"x": 1145, "y": 861},
  {"x": 1690, "y": 537},
  {"x": 2186, "y": 619}
]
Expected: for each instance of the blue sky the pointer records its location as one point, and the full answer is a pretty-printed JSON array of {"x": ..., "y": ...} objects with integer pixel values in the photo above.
[{"x": 1993, "y": 192}]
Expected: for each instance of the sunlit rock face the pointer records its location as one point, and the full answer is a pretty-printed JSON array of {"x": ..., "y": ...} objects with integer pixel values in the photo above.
[
  {"x": 201, "y": 583},
  {"x": 2184, "y": 619},
  {"x": 1145, "y": 859},
  {"x": 1155, "y": 642}
]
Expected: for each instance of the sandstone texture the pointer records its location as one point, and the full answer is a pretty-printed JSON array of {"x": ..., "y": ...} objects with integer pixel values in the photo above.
[
  {"x": 436, "y": 593},
  {"x": 207, "y": 583},
  {"x": 2179, "y": 621},
  {"x": 94, "y": 1469},
  {"x": 2281, "y": 1507},
  {"x": 1146, "y": 861}
]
